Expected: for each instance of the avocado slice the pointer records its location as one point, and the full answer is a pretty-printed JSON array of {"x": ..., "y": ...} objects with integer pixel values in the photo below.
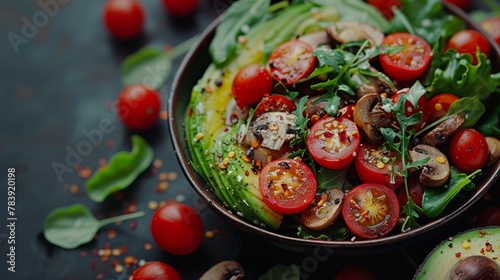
[{"x": 478, "y": 241}]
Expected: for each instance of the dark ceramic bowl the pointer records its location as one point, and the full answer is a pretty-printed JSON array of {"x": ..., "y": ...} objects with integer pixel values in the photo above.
[{"x": 192, "y": 69}]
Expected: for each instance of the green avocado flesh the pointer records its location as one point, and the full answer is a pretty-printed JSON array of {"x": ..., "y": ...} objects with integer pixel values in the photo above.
[{"x": 480, "y": 241}]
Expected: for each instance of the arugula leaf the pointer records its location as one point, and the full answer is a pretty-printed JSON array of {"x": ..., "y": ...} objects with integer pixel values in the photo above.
[
  {"x": 435, "y": 200},
  {"x": 240, "y": 15}
]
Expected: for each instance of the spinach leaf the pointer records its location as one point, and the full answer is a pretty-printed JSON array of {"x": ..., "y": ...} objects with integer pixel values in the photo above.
[
  {"x": 460, "y": 77},
  {"x": 469, "y": 108},
  {"x": 281, "y": 271},
  {"x": 435, "y": 200},
  {"x": 72, "y": 226},
  {"x": 122, "y": 169},
  {"x": 239, "y": 16},
  {"x": 491, "y": 126},
  {"x": 330, "y": 178}
]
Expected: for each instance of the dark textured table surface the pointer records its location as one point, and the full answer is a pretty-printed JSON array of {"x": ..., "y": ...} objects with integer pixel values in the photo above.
[{"x": 58, "y": 84}]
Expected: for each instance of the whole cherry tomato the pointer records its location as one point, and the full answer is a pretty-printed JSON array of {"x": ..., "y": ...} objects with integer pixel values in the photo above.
[
  {"x": 250, "y": 84},
  {"x": 467, "y": 42},
  {"x": 468, "y": 150},
  {"x": 155, "y": 270},
  {"x": 124, "y": 19},
  {"x": 177, "y": 228},
  {"x": 462, "y": 4},
  {"x": 385, "y": 6},
  {"x": 139, "y": 106},
  {"x": 409, "y": 63},
  {"x": 415, "y": 189},
  {"x": 181, "y": 8}
]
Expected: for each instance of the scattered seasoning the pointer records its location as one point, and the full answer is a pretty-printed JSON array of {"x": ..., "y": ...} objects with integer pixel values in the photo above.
[
  {"x": 130, "y": 260},
  {"x": 111, "y": 234},
  {"x": 103, "y": 162},
  {"x": 119, "y": 268},
  {"x": 116, "y": 252},
  {"x": 148, "y": 246},
  {"x": 162, "y": 186},
  {"x": 152, "y": 205},
  {"x": 84, "y": 254},
  {"x": 172, "y": 176},
  {"x": 458, "y": 255},
  {"x": 466, "y": 245},
  {"x": 133, "y": 225},
  {"x": 158, "y": 163},
  {"x": 180, "y": 198},
  {"x": 164, "y": 115},
  {"x": 489, "y": 247},
  {"x": 163, "y": 176},
  {"x": 110, "y": 143},
  {"x": 100, "y": 276},
  {"x": 73, "y": 188},
  {"x": 85, "y": 173},
  {"x": 209, "y": 234}
]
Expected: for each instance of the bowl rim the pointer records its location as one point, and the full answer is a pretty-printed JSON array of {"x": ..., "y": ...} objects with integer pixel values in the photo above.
[{"x": 202, "y": 189}]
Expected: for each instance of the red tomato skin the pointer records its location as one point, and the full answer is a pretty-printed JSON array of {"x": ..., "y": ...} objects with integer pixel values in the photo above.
[
  {"x": 156, "y": 270},
  {"x": 462, "y": 4},
  {"x": 124, "y": 19},
  {"x": 251, "y": 84},
  {"x": 467, "y": 41},
  {"x": 349, "y": 213},
  {"x": 301, "y": 196},
  {"x": 274, "y": 103},
  {"x": 319, "y": 135},
  {"x": 177, "y": 228},
  {"x": 468, "y": 150},
  {"x": 492, "y": 26},
  {"x": 439, "y": 105},
  {"x": 296, "y": 57},
  {"x": 385, "y": 6},
  {"x": 139, "y": 106},
  {"x": 355, "y": 272},
  {"x": 370, "y": 173},
  {"x": 396, "y": 65},
  {"x": 410, "y": 110},
  {"x": 416, "y": 190},
  {"x": 181, "y": 8}
]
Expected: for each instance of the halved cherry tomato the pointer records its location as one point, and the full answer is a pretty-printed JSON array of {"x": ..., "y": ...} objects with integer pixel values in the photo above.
[
  {"x": 409, "y": 63},
  {"x": 438, "y": 105},
  {"x": 492, "y": 26},
  {"x": 415, "y": 188},
  {"x": 292, "y": 61},
  {"x": 287, "y": 186},
  {"x": 274, "y": 103},
  {"x": 250, "y": 84},
  {"x": 370, "y": 210},
  {"x": 468, "y": 150},
  {"x": 411, "y": 110},
  {"x": 385, "y": 6},
  {"x": 467, "y": 41},
  {"x": 333, "y": 142},
  {"x": 374, "y": 164},
  {"x": 156, "y": 270}
]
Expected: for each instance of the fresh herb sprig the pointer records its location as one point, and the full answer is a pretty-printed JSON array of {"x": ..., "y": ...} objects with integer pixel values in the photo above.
[{"x": 399, "y": 141}]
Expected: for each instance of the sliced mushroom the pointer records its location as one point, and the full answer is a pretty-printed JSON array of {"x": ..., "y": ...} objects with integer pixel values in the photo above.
[
  {"x": 437, "y": 170},
  {"x": 314, "y": 108},
  {"x": 325, "y": 211},
  {"x": 370, "y": 84},
  {"x": 494, "y": 150},
  {"x": 316, "y": 39},
  {"x": 443, "y": 131},
  {"x": 225, "y": 270},
  {"x": 370, "y": 117},
  {"x": 274, "y": 128},
  {"x": 349, "y": 31}
]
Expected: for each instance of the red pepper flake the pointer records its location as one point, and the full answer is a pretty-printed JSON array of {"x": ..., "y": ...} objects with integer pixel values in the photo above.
[
  {"x": 458, "y": 254},
  {"x": 328, "y": 134},
  {"x": 92, "y": 265},
  {"x": 482, "y": 251},
  {"x": 111, "y": 234},
  {"x": 73, "y": 188},
  {"x": 103, "y": 162},
  {"x": 164, "y": 115},
  {"x": 148, "y": 246},
  {"x": 114, "y": 263},
  {"x": 163, "y": 176},
  {"x": 85, "y": 173},
  {"x": 123, "y": 249},
  {"x": 77, "y": 167},
  {"x": 133, "y": 225},
  {"x": 99, "y": 276},
  {"x": 482, "y": 232},
  {"x": 84, "y": 254},
  {"x": 110, "y": 143},
  {"x": 129, "y": 260}
]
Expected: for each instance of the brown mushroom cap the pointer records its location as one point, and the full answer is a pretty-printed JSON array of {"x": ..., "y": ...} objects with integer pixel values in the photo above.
[
  {"x": 494, "y": 150},
  {"x": 230, "y": 270},
  {"x": 437, "y": 170},
  {"x": 369, "y": 117},
  {"x": 443, "y": 131},
  {"x": 325, "y": 212},
  {"x": 349, "y": 31}
]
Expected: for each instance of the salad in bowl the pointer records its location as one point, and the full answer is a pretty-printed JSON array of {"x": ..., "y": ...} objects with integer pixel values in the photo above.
[{"x": 322, "y": 122}]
